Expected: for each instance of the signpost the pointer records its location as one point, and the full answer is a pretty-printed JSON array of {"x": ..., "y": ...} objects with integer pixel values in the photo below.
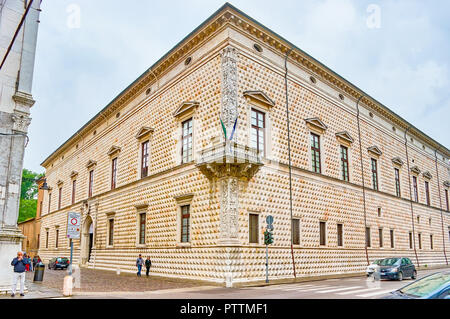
[
  {"x": 268, "y": 240},
  {"x": 73, "y": 232}
]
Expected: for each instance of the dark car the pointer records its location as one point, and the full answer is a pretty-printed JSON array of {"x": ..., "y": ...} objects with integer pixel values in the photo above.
[
  {"x": 58, "y": 263},
  {"x": 397, "y": 268},
  {"x": 435, "y": 286}
]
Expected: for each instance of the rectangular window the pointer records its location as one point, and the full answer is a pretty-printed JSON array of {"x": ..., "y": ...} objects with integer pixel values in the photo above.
[
  {"x": 374, "y": 174},
  {"x": 315, "y": 153},
  {"x": 416, "y": 193},
  {"x": 74, "y": 189},
  {"x": 431, "y": 242},
  {"x": 253, "y": 226},
  {"x": 59, "y": 197},
  {"x": 427, "y": 192},
  {"x": 111, "y": 232},
  {"x": 91, "y": 183},
  {"x": 380, "y": 235},
  {"x": 56, "y": 238},
  {"x": 296, "y": 231},
  {"x": 258, "y": 123},
  {"x": 344, "y": 162},
  {"x": 397, "y": 182},
  {"x": 446, "y": 199},
  {"x": 49, "y": 201},
  {"x": 340, "y": 235},
  {"x": 186, "y": 146},
  {"x": 144, "y": 159},
  {"x": 392, "y": 238},
  {"x": 113, "y": 173},
  {"x": 142, "y": 222},
  {"x": 46, "y": 239},
  {"x": 185, "y": 223},
  {"x": 420, "y": 241},
  {"x": 410, "y": 240},
  {"x": 38, "y": 240},
  {"x": 323, "y": 231},
  {"x": 40, "y": 208},
  {"x": 368, "y": 239}
]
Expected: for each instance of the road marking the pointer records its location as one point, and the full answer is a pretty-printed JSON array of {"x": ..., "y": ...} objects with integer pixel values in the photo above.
[
  {"x": 283, "y": 287},
  {"x": 310, "y": 289},
  {"x": 358, "y": 291},
  {"x": 337, "y": 289},
  {"x": 376, "y": 293}
]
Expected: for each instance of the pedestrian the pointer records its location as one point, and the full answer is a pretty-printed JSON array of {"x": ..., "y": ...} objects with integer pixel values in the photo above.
[
  {"x": 19, "y": 264},
  {"x": 139, "y": 264},
  {"x": 27, "y": 260},
  {"x": 35, "y": 261},
  {"x": 148, "y": 264}
]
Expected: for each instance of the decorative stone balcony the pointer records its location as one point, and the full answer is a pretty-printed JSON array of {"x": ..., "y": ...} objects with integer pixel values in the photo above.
[{"x": 229, "y": 159}]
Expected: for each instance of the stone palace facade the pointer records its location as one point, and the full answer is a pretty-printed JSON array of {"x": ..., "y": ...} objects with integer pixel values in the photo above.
[{"x": 153, "y": 173}]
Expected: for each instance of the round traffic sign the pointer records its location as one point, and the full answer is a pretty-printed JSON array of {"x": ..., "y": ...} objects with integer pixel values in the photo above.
[{"x": 269, "y": 220}]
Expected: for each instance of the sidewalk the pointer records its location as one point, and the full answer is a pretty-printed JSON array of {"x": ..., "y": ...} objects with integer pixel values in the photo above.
[{"x": 35, "y": 291}]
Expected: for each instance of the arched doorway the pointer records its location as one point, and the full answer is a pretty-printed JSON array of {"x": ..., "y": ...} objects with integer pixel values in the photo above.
[{"x": 87, "y": 240}]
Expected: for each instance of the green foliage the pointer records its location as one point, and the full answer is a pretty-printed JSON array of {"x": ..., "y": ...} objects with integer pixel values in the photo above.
[{"x": 28, "y": 193}]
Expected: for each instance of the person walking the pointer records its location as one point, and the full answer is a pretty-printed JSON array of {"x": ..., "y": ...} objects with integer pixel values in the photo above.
[
  {"x": 27, "y": 260},
  {"x": 19, "y": 264},
  {"x": 148, "y": 264},
  {"x": 139, "y": 264}
]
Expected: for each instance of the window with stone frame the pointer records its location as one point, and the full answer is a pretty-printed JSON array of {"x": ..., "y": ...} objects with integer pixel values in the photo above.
[
  {"x": 420, "y": 240},
  {"x": 49, "y": 202},
  {"x": 416, "y": 193},
  {"x": 111, "y": 232},
  {"x": 142, "y": 227},
  {"x": 91, "y": 183},
  {"x": 446, "y": 199},
  {"x": 185, "y": 223},
  {"x": 186, "y": 141},
  {"x": 322, "y": 233},
  {"x": 392, "y": 238},
  {"x": 74, "y": 189},
  {"x": 340, "y": 235},
  {"x": 344, "y": 163},
  {"x": 113, "y": 173},
  {"x": 46, "y": 239},
  {"x": 296, "y": 231},
  {"x": 258, "y": 131},
  {"x": 397, "y": 182},
  {"x": 59, "y": 197},
  {"x": 315, "y": 153},
  {"x": 56, "y": 238},
  {"x": 253, "y": 226},
  {"x": 374, "y": 174},
  {"x": 380, "y": 237},
  {"x": 410, "y": 240},
  {"x": 427, "y": 193},
  {"x": 431, "y": 242},
  {"x": 144, "y": 159},
  {"x": 368, "y": 239}
]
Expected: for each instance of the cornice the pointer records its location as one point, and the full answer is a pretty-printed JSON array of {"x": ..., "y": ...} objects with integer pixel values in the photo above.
[{"x": 228, "y": 15}]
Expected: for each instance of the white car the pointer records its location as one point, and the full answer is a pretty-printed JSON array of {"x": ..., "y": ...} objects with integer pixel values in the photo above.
[{"x": 374, "y": 265}]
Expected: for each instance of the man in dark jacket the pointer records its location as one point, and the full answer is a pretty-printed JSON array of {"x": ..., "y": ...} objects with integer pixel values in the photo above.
[
  {"x": 19, "y": 264},
  {"x": 148, "y": 264},
  {"x": 139, "y": 264}
]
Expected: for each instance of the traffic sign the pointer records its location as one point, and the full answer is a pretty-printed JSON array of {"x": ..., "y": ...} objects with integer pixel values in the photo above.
[
  {"x": 73, "y": 225},
  {"x": 269, "y": 220}
]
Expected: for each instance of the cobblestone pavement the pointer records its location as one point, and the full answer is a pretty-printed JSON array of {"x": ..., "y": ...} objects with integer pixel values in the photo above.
[{"x": 92, "y": 280}]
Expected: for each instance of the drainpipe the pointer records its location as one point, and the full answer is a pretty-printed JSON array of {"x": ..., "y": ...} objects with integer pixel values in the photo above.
[
  {"x": 289, "y": 153},
  {"x": 362, "y": 176},
  {"x": 410, "y": 196},
  {"x": 440, "y": 203}
]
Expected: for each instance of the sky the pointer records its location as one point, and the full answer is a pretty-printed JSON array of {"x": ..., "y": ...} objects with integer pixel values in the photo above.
[{"x": 397, "y": 51}]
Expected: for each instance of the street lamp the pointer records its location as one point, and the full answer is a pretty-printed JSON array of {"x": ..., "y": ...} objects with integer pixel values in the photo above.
[{"x": 44, "y": 186}]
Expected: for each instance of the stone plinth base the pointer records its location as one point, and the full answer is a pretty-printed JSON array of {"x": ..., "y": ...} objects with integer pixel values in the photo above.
[{"x": 10, "y": 244}]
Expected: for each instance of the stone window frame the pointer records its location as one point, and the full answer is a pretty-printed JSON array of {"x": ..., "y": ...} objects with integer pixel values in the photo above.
[
  {"x": 342, "y": 246},
  {"x": 299, "y": 231},
  {"x": 392, "y": 238},
  {"x": 368, "y": 237},
  {"x": 325, "y": 235},
  {"x": 345, "y": 140},
  {"x": 181, "y": 201},
  {"x": 265, "y": 108},
  {"x": 380, "y": 237},
  {"x": 141, "y": 209},
  {"x": 187, "y": 111},
  {"x": 375, "y": 172},
  {"x": 431, "y": 242},
  {"x": 47, "y": 237},
  {"x": 419, "y": 240},
  {"x": 110, "y": 217},
  {"x": 411, "y": 240},
  {"x": 397, "y": 182},
  {"x": 319, "y": 149},
  {"x": 189, "y": 136},
  {"x": 144, "y": 135},
  {"x": 258, "y": 234},
  {"x": 73, "y": 189},
  {"x": 57, "y": 237}
]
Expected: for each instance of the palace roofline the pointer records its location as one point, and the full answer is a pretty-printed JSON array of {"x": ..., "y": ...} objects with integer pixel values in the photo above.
[{"x": 228, "y": 14}]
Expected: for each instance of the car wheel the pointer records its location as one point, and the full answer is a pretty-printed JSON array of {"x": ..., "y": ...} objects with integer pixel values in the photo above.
[
  {"x": 400, "y": 276},
  {"x": 414, "y": 275}
]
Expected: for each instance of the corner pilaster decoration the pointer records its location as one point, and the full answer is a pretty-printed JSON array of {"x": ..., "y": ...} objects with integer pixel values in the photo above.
[
  {"x": 345, "y": 138},
  {"x": 415, "y": 170},
  {"x": 91, "y": 164},
  {"x": 186, "y": 108},
  {"x": 316, "y": 125},
  {"x": 21, "y": 122},
  {"x": 144, "y": 132},
  {"x": 229, "y": 109},
  {"x": 427, "y": 175},
  {"x": 397, "y": 161},
  {"x": 375, "y": 151},
  {"x": 114, "y": 150},
  {"x": 259, "y": 97},
  {"x": 447, "y": 184}
]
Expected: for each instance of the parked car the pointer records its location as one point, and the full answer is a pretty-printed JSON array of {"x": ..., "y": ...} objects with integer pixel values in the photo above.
[
  {"x": 371, "y": 268},
  {"x": 435, "y": 286},
  {"x": 397, "y": 268},
  {"x": 58, "y": 263}
]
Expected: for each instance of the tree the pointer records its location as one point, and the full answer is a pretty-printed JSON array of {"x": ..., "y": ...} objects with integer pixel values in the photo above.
[{"x": 28, "y": 193}]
